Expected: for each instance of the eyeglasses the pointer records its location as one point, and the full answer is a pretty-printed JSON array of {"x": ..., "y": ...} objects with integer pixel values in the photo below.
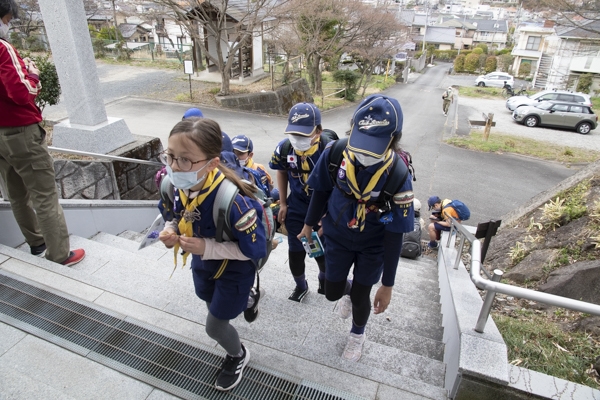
[{"x": 183, "y": 163}]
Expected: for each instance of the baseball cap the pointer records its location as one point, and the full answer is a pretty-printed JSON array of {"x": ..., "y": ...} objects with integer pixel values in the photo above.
[
  {"x": 432, "y": 201},
  {"x": 450, "y": 88},
  {"x": 193, "y": 112},
  {"x": 374, "y": 123},
  {"x": 303, "y": 119},
  {"x": 242, "y": 143},
  {"x": 226, "y": 145}
]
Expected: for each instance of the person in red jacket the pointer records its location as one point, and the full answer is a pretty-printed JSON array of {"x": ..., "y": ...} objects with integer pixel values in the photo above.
[{"x": 26, "y": 167}]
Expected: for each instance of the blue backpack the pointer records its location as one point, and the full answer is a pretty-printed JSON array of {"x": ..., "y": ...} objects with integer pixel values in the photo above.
[{"x": 461, "y": 209}]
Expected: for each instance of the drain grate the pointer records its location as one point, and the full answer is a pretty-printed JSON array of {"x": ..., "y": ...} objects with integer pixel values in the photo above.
[{"x": 147, "y": 353}]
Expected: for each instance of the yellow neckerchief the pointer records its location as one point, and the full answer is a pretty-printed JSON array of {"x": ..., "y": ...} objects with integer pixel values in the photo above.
[
  {"x": 250, "y": 163},
  {"x": 304, "y": 162},
  {"x": 213, "y": 179},
  {"x": 363, "y": 195}
]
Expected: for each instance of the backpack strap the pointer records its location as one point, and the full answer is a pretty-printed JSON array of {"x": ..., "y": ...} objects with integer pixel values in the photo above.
[
  {"x": 167, "y": 198},
  {"x": 336, "y": 153},
  {"x": 221, "y": 209},
  {"x": 393, "y": 183}
]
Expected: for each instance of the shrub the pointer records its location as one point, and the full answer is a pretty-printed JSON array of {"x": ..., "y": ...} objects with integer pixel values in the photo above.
[
  {"x": 477, "y": 50},
  {"x": 459, "y": 63},
  {"x": 524, "y": 69},
  {"x": 471, "y": 62},
  {"x": 483, "y": 47},
  {"x": 50, "y": 93},
  {"x": 482, "y": 60},
  {"x": 505, "y": 61},
  {"x": 98, "y": 46},
  {"x": 585, "y": 83},
  {"x": 349, "y": 79},
  {"x": 491, "y": 63}
]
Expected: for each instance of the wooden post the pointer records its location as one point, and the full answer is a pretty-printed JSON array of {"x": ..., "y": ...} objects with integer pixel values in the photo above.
[{"x": 488, "y": 125}]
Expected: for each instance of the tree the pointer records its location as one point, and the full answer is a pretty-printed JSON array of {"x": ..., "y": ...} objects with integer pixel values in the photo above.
[
  {"x": 459, "y": 63},
  {"x": 50, "y": 93},
  {"x": 584, "y": 84},
  {"x": 582, "y": 14},
  {"x": 229, "y": 23},
  {"x": 491, "y": 64},
  {"x": 471, "y": 62}
]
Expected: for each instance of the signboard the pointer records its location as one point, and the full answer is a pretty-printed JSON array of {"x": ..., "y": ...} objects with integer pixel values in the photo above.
[{"x": 188, "y": 67}]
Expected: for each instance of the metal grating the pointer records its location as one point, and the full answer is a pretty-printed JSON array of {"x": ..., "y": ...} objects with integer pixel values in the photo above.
[{"x": 147, "y": 353}]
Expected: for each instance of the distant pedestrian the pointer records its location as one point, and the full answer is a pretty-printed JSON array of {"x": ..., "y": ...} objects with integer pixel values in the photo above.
[
  {"x": 447, "y": 97},
  {"x": 25, "y": 164}
]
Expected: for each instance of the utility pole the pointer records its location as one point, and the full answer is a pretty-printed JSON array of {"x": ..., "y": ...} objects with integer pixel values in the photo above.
[{"x": 425, "y": 31}]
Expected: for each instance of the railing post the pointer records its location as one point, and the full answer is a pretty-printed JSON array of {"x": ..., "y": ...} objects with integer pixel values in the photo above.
[
  {"x": 487, "y": 303},
  {"x": 459, "y": 254}
]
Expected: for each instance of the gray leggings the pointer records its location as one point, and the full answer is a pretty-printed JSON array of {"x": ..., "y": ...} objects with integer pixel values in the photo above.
[{"x": 224, "y": 333}]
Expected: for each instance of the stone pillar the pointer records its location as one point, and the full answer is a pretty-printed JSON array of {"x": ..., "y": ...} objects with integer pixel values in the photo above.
[{"x": 88, "y": 128}]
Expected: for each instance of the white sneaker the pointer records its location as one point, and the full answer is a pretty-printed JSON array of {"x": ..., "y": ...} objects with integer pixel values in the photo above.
[
  {"x": 354, "y": 347},
  {"x": 344, "y": 307}
]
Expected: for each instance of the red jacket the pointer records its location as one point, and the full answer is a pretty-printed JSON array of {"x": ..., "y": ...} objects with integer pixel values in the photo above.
[{"x": 18, "y": 90}]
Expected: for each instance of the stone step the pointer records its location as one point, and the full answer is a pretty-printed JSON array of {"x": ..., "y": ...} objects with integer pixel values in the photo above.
[{"x": 150, "y": 252}]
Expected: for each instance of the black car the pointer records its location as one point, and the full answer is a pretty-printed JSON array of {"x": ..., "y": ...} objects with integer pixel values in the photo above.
[{"x": 558, "y": 114}]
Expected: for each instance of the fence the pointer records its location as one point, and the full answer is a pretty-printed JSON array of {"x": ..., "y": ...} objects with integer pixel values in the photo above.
[
  {"x": 142, "y": 50},
  {"x": 283, "y": 70}
]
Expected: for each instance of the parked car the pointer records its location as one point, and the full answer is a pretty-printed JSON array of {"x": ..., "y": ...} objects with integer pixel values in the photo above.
[
  {"x": 558, "y": 114},
  {"x": 561, "y": 95},
  {"x": 495, "y": 79}
]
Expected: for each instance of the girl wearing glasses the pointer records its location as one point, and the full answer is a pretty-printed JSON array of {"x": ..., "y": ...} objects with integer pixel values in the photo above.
[{"x": 223, "y": 273}]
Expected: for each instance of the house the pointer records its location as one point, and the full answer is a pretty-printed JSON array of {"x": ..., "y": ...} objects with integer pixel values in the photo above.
[
  {"x": 464, "y": 33},
  {"x": 529, "y": 45},
  {"x": 493, "y": 33},
  {"x": 443, "y": 38},
  {"x": 136, "y": 33}
]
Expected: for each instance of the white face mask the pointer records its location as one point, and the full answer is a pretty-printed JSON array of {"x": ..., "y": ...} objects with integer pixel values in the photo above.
[
  {"x": 185, "y": 180},
  {"x": 4, "y": 28},
  {"x": 367, "y": 161},
  {"x": 301, "y": 143}
]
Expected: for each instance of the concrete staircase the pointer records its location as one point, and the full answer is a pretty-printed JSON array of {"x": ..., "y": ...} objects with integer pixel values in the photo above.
[{"x": 402, "y": 358}]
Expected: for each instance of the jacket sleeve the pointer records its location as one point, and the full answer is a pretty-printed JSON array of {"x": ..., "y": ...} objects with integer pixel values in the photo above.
[{"x": 21, "y": 87}]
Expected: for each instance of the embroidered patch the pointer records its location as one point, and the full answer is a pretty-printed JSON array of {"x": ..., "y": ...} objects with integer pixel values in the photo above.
[
  {"x": 404, "y": 198},
  {"x": 247, "y": 220},
  {"x": 341, "y": 173},
  {"x": 291, "y": 159}
]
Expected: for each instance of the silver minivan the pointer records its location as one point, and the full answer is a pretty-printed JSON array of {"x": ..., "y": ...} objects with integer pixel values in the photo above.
[{"x": 545, "y": 95}]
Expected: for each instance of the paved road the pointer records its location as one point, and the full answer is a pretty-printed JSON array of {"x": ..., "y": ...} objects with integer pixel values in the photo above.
[{"x": 491, "y": 184}]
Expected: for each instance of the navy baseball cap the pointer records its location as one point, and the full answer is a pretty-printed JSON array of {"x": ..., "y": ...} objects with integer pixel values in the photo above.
[
  {"x": 375, "y": 123},
  {"x": 242, "y": 143},
  {"x": 193, "y": 112},
  {"x": 303, "y": 119},
  {"x": 432, "y": 201}
]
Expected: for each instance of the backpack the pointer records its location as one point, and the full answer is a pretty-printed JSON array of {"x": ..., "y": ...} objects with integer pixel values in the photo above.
[
  {"x": 327, "y": 135},
  {"x": 411, "y": 242},
  {"x": 224, "y": 201},
  {"x": 390, "y": 187},
  {"x": 407, "y": 158},
  {"x": 461, "y": 209}
]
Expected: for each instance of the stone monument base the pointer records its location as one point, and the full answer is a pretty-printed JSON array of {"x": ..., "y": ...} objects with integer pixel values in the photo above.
[{"x": 102, "y": 138}]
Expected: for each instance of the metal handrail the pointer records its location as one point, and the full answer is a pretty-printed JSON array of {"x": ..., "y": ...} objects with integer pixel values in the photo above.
[
  {"x": 493, "y": 286},
  {"x": 104, "y": 156},
  {"x": 4, "y": 189}
]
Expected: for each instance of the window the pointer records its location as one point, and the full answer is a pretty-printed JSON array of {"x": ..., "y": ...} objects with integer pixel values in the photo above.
[
  {"x": 560, "y": 107},
  {"x": 565, "y": 97},
  {"x": 576, "y": 109},
  {"x": 533, "y": 43},
  {"x": 578, "y": 99},
  {"x": 549, "y": 96}
]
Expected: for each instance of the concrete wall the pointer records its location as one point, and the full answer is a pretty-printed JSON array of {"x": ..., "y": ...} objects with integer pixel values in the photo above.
[{"x": 278, "y": 102}]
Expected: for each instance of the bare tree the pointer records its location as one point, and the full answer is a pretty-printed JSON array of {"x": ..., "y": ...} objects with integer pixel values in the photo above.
[
  {"x": 325, "y": 28},
  {"x": 582, "y": 14},
  {"x": 229, "y": 24}
]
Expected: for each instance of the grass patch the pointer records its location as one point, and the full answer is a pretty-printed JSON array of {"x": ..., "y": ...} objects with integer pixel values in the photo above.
[
  {"x": 157, "y": 64},
  {"x": 480, "y": 92},
  {"x": 511, "y": 144},
  {"x": 596, "y": 103},
  {"x": 535, "y": 343}
]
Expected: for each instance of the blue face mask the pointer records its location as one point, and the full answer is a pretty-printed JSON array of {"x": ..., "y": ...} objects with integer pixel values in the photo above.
[{"x": 185, "y": 180}]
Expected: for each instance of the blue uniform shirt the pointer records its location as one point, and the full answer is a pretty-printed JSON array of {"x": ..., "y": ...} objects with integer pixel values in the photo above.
[
  {"x": 342, "y": 209},
  {"x": 289, "y": 162}
]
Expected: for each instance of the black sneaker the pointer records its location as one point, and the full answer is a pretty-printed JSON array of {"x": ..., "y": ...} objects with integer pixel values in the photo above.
[
  {"x": 38, "y": 250},
  {"x": 321, "y": 289},
  {"x": 251, "y": 313},
  {"x": 298, "y": 294},
  {"x": 231, "y": 371}
]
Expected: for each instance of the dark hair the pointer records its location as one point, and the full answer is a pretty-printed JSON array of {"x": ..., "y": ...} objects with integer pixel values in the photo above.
[
  {"x": 206, "y": 135},
  {"x": 9, "y": 7}
]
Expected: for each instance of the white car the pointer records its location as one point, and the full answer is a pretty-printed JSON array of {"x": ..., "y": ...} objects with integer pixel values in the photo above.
[
  {"x": 561, "y": 95},
  {"x": 495, "y": 79}
]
